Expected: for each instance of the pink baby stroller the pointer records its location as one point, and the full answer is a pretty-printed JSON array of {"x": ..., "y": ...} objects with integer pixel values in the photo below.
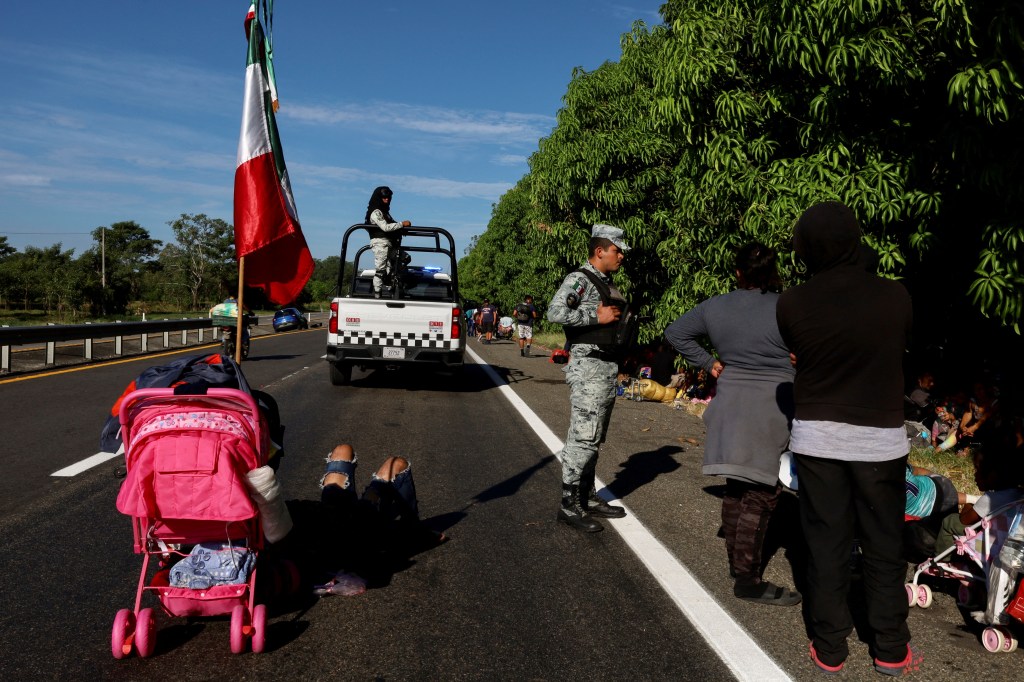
[
  {"x": 187, "y": 457},
  {"x": 973, "y": 560}
]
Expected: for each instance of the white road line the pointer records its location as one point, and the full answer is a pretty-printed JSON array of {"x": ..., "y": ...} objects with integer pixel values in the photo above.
[
  {"x": 727, "y": 638},
  {"x": 85, "y": 464}
]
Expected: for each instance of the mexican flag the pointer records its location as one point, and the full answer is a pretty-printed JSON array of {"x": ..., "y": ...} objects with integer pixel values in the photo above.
[{"x": 267, "y": 232}]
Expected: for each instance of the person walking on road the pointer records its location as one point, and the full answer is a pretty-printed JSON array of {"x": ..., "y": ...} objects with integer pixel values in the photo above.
[
  {"x": 748, "y": 421},
  {"x": 526, "y": 313},
  {"x": 847, "y": 330},
  {"x": 382, "y": 241},
  {"x": 488, "y": 318},
  {"x": 594, "y": 315}
]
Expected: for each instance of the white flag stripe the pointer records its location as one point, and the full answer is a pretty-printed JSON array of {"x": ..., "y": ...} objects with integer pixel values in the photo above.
[{"x": 254, "y": 139}]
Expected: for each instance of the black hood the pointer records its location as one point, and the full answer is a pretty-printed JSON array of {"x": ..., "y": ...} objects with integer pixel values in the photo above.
[
  {"x": 827, "y": 235},
  {"x": 376, "y": 202}
]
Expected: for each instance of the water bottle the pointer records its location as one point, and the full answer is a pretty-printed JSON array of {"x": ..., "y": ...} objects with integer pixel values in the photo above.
[{"x": 1011, "y": 556}]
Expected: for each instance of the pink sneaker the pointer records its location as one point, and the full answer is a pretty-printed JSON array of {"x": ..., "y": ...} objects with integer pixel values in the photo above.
[
  {"x": 911, "y": 663},
  {"x": 824, "y": 667}
]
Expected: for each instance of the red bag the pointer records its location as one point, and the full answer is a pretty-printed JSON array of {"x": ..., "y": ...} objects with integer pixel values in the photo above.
[{"x": 559, "y": 357}]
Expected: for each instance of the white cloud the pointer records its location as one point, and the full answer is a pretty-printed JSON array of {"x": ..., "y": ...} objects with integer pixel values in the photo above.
[
  {"x": 136, "y": 78},
  {"x": 490, "y": 127},
  {"x": 433, "y": 187},
  {"x": 24, "y": 180},
  {"x": 509, "y": 159}
]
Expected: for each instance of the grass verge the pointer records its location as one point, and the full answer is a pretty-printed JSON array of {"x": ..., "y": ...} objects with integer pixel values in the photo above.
[{"x": 957, "y": 467}]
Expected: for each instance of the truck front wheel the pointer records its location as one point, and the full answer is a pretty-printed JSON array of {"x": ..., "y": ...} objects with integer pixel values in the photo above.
[{"x": 341, "y": 373}]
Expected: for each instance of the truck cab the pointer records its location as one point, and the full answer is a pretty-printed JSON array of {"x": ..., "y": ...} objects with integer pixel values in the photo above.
[{"x": 418, "y": 319}]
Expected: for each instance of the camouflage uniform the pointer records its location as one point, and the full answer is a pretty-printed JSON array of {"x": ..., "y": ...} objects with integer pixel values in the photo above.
[
  {"x": 591, "y": 380},
  {"x": 382, "y": 247}
]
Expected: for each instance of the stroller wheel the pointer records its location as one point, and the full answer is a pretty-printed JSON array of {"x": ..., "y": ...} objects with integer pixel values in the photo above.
[
  {"x": 993, "y": 639},
  {"x": 124, "y": 623},
  {"x": 259, "y": 628},
  {"x": 963, "y": 595},
  {"x": 145, "y": 633},
  {"x": 238, "y": 629},
  {"x": 924, "y": 596},
  {"x": 911, "y": 594}
]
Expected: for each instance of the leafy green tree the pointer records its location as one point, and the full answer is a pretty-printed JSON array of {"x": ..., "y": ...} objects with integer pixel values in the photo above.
[
  {"x": 6, "y": 251},
  {"x": 203, "y": 256},
  {"x": 121, "y": 255},
  {"x": 50, "y": 276},
  {"x": 323, "y": 284},
  {"x": 19, "y": 274},
  {"x": 513, "y": 257},
  {"x": 722, "y": 125}
]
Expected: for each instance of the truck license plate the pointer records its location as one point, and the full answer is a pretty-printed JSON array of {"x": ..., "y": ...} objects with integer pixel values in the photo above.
[{"x": 394, "y": 353}]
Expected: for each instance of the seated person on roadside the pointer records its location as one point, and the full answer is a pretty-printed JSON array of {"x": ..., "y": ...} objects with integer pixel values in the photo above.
[
  {"x": 944, "y": 424},
  {"x": 702, "y": 387},
  {"x": 929, "y": 493},
  {"x": 917, "y": 406},
  {"x": 663, "y": 363},
  {"x": 918, "y": 410},
  {"x": 359, "y": 534},
  {"x": 930, "y": 498},
  {"x": 982, "y": 416},
  {"x": 999, "y": 474}
]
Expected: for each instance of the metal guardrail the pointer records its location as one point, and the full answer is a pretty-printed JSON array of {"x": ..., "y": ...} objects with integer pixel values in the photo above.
[{"x": 51, "y": 335}]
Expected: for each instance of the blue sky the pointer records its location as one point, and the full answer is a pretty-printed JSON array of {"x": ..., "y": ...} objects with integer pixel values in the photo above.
[{"x": 129, "y": 110}]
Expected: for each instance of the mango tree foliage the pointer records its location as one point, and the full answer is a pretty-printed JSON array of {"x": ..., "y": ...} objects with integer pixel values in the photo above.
[
  {"x": 513, "y": 257},
  {"x": 722, "y": 125}
]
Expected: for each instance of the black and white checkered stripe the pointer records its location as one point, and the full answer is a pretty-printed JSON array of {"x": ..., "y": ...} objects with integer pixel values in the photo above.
[{"x": 411, "y": 340}]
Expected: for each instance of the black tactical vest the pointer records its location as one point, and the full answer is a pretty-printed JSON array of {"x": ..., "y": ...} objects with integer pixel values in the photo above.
[{"x": 614, "y": 337}]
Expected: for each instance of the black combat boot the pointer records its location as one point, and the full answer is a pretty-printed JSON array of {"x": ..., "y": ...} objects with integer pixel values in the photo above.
[
  {"x": 573, "y": 513},
  {"x": 594, "y": 505}
]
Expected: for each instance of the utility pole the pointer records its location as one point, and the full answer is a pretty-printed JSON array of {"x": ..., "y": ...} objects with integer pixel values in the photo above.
[{"x": 103, "y": 257}]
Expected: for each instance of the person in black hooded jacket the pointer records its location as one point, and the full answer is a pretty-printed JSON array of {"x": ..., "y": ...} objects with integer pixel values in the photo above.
[
  {"x": 378, "y": 216},
  {"x": 847, "y": 330}
]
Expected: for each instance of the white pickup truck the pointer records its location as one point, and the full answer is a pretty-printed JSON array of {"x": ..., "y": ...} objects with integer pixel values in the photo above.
[{"x": 417, "y": 321}]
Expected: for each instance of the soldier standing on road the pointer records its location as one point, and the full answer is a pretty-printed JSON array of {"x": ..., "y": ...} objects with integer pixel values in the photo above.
[
  {"x": 378, "y": 215},
  {"x": 597, "y": 329}
]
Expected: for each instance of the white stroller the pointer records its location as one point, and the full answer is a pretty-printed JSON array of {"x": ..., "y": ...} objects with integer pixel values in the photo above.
[{"x": 974, "y": 561}]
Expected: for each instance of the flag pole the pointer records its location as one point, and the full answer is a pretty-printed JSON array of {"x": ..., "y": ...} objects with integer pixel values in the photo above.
[{"x": 241, "y": 310}]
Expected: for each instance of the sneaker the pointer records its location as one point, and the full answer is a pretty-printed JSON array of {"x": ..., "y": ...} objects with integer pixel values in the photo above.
[
  {"x": 825, "y": 667},
  {"x": 910, "y": 663},
  {"x": 522, "y": 353}
]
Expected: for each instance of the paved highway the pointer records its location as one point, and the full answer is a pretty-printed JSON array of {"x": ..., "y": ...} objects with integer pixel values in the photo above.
[{"x": 512, "y": 596}]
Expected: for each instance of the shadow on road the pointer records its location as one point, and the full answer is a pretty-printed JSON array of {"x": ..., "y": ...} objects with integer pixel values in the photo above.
[
  {"x": 642, "y": 468},
  {"x": 470, "y": 379},
  {"x": 506, "y": 488}
]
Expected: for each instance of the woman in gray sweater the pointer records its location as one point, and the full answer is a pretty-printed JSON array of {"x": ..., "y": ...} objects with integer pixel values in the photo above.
[{"x": 748, "y": 421}]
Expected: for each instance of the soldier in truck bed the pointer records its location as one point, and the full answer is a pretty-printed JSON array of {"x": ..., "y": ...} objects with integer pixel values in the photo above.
[{"x": 382, "y": 242}]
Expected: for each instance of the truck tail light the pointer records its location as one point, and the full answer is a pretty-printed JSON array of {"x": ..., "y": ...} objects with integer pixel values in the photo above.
[
  {"x": 332, "y": 325},
  {"x": 456, "y": 324}
]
